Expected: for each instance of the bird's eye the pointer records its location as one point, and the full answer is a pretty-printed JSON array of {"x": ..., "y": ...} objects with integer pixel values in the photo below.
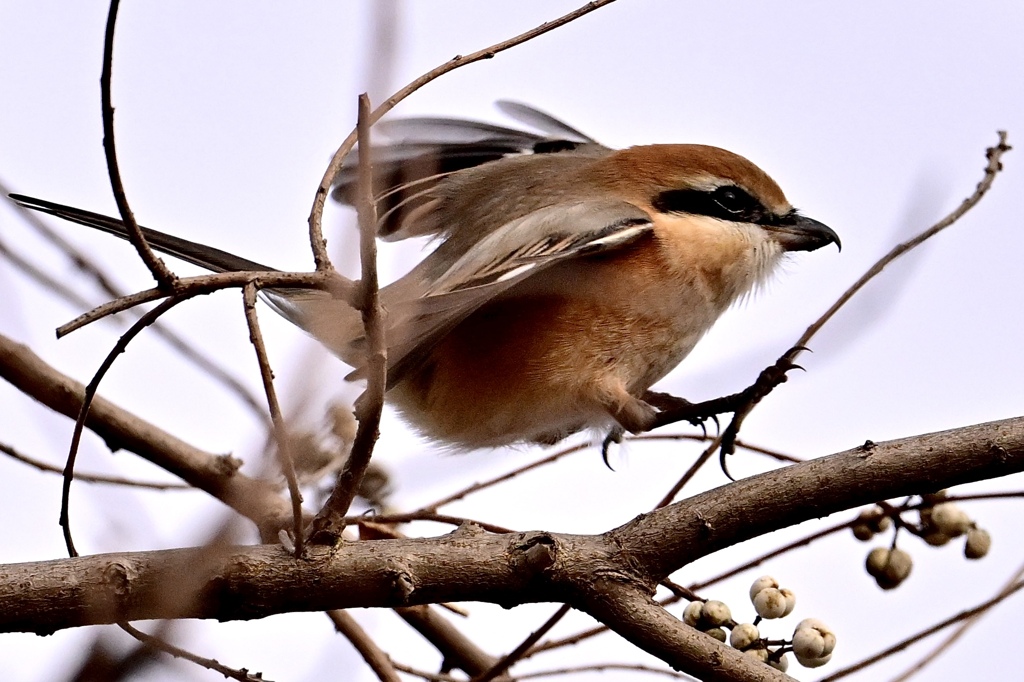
[
  {"x": 728, "y": 202},
  {"x": 733, "y": 199}
]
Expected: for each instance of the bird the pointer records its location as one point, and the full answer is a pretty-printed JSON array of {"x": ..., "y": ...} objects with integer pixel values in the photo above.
[{"x": 567, "y": 277}]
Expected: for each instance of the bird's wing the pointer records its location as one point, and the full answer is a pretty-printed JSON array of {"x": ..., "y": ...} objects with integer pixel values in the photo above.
[
  {"x": 202, "y": 255},
  {"x": 419, "y": 152},
  {"x": 421, "y": 313},
  {"x": 542, "y": 121}
]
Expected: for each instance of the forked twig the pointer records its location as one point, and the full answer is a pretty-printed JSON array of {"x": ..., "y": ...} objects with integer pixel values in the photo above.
[
  {"x": 284, "y": 452},
  {"x": 90, "y": 393},
  {"x": 330, "y": 520},
  {"x": 242, "y": 675},
  {"x": 335, "y": 284},
  {"x": 316, "y": 237},
  {"x": 161, "y": 273}
]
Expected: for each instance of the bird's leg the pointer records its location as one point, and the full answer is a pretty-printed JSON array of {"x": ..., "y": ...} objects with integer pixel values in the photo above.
[
  {"x": 668, "y": 403},
  {"x": 673, "y": 409}
]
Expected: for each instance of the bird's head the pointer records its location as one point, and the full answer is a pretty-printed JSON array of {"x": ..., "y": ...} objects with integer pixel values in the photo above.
[{"x": 700, "y": 180}]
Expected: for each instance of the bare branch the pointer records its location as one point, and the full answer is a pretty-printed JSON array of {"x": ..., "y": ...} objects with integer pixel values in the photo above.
[
  {"x": 330, "y": 520},
  {"x": 90, "y": 478},
  {"x": 913, "y": 639},
  {"x": 242, "y": 675},
  {"x": 218, "y": 475},
  {"x": 188, "y": 287},
  {"x": 87, "y": 398},
  {"x": 379, "y": 662},
  {"x": 280, "y": 428},
  {"x": 316, "y": 237},
  {"x": 471, "y": 565},
  {"x": 994, "y": 155},
  {"x": 164, "y": 277}
]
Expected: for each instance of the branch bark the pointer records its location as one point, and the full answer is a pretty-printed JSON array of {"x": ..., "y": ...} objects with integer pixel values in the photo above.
[
  {"x": 217, "y": 475},
  {"x": 610, "y": 576}
]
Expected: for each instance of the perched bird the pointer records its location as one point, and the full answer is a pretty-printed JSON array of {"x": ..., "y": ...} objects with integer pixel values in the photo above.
[{"x": 567, "y": 279}]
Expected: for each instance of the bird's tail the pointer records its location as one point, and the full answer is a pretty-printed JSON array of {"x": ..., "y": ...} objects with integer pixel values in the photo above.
[{"x": 191, "y": 252}]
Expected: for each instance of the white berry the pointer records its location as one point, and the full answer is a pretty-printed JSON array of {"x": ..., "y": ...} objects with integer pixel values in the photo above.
[
  {"x": 715, "y": 613},
  {"x": 743, "y": 635},
  {"x": 761, "y": 583},
  {"x": 770, "y": 603}
]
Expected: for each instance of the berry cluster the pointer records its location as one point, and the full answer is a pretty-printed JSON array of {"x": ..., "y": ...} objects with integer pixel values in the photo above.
[
  {"x": 812, "y": 641},
  {"x": 939, "y": 522}
]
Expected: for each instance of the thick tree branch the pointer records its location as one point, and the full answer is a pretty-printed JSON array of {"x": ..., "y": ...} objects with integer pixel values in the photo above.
[
  {"x": 471, "y": 565},
  {"x": 647, "y": 624},
  {"x": 216, "y": 474}
]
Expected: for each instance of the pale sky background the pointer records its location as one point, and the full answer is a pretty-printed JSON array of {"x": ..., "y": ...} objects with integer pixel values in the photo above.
[{"x": 873, "y": 116}]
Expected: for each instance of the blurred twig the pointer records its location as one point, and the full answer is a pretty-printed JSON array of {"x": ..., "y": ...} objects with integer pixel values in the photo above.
[
  {"x": 316, "y": 238},
  {"x": 913, "y": 639},
  {"x": 90, "y": 478}
]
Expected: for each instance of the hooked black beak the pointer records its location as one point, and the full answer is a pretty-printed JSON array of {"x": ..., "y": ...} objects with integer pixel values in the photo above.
[{"x": 795, "y": 232}]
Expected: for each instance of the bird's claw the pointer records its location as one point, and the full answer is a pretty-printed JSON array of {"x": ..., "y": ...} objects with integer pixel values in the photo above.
[{"x": 614, "y": 436}]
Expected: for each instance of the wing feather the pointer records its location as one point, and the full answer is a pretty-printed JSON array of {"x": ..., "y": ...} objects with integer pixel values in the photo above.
[{"x": 421, "y": 313}]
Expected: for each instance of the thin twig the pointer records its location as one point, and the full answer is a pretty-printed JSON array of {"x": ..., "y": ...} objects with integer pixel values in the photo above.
[
  {"x": 690, "y": 473},
  {"x": 379, "y": 662},
  {"x": 90, "y": 393},
  {"x": 330, "y": 520},
  {"x": 913, "y": 639},
  {"x": 506, "y": 661},
  {"x": 423, "y": 674},
  {"x": 284, "y": 452},
  {"x": 579, "y": 447},
  {"x": 605, "y": 667},
  {"x": 477, "y": 487},
  {"x": 316, "y": 238},
  {"x": 757, "y": 561},
  {"x": 994, "y": 156},
  {"x": 206, "y": 284},
  {"x": 91, "y": 478},
  {"x": 82, "y": 262},
  {"x": 949, "y": 641},
  {"x": 385, "y": 519},
  {"x": 158, "y": 644},
  {"x": 704, "y": 438},
  {"x": 679, "y": 591},
  {"x": 161, "y": 273}
]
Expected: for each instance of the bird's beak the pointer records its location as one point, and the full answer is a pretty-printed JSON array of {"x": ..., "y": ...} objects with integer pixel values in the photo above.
[{"x": 798, "y": 233}]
